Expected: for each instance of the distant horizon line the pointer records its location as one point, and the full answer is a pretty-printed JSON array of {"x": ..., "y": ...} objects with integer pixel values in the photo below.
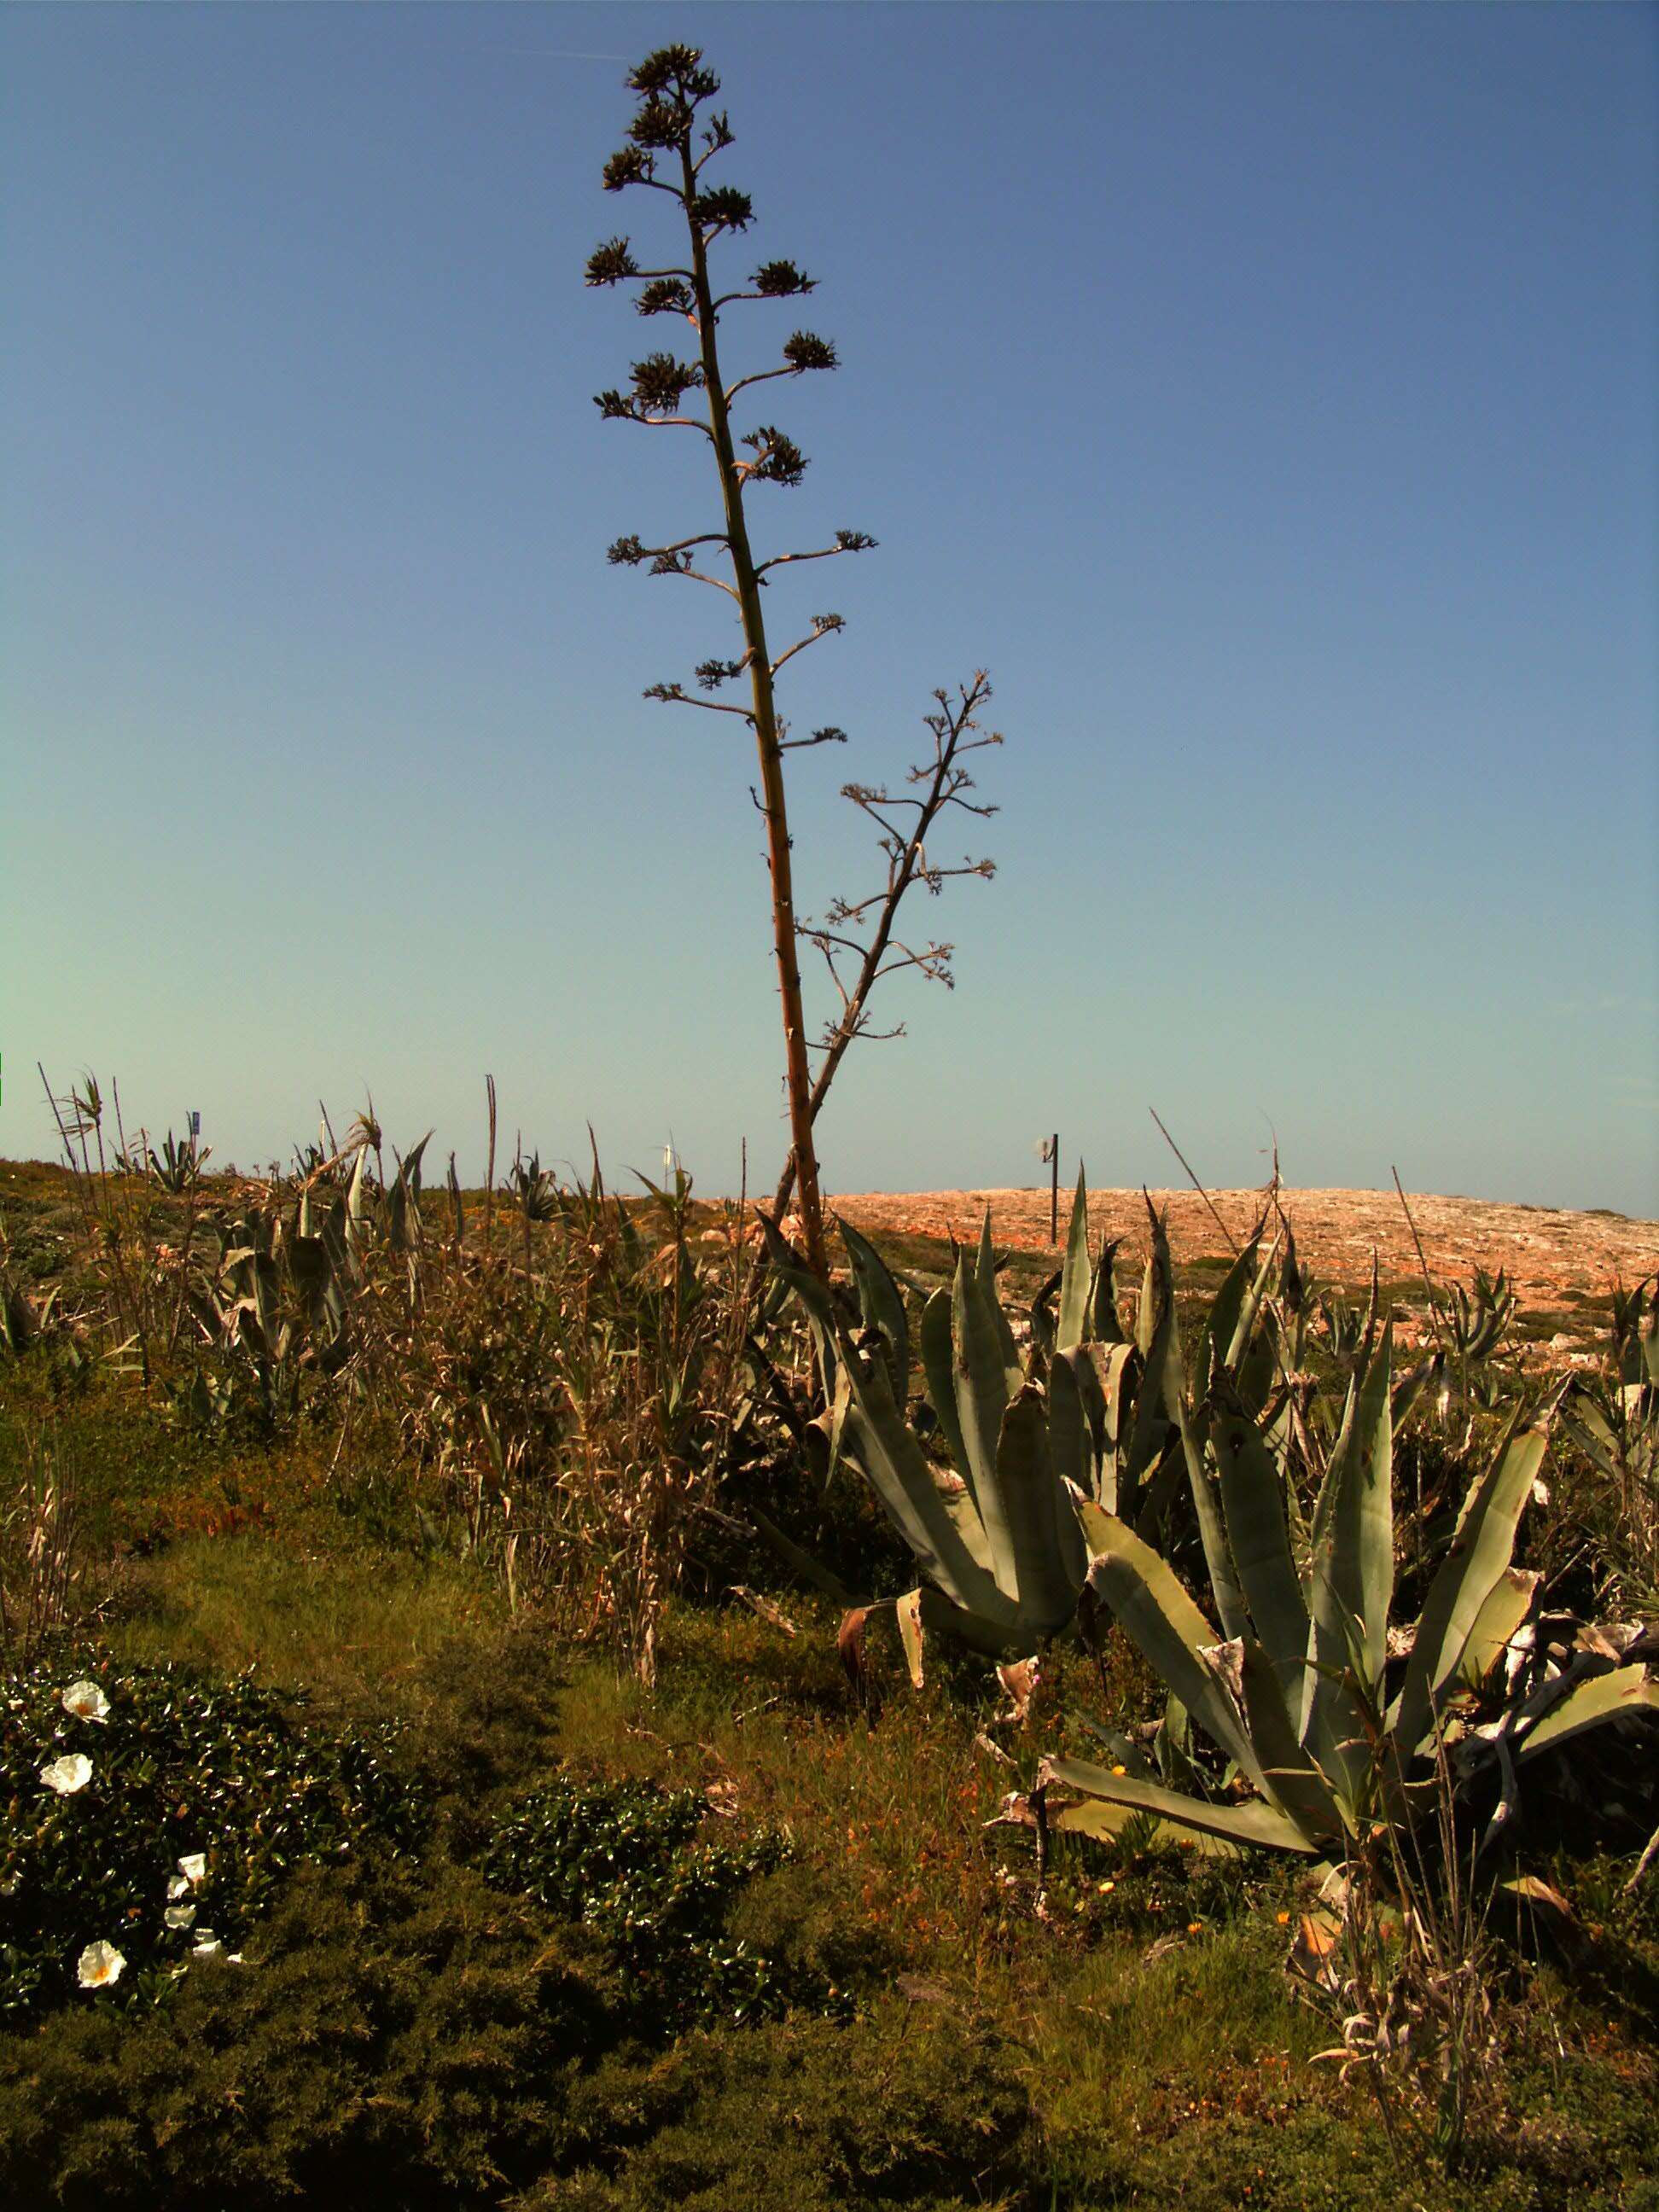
[{"x": 230, "y": 1171}]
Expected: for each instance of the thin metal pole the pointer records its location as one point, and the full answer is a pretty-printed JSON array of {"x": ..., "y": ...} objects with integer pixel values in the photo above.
[{"x": 1053, "y": 1191}]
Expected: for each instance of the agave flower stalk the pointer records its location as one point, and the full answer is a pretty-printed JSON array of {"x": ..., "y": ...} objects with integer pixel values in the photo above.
[{"x": 675, "y": 134}]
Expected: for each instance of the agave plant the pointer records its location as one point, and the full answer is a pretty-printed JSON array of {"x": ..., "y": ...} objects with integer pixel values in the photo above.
[
  {"x": 1477, "y": 1318},
  {"x": 1614, "y": 1420},
  {"x": 1636, "y": 1334},
  {"x": 1332, "y": 1718},
  {"x": 178, "y": 1166},
  {"x": 1086, "y": 1416},
  {"x": 996, "y": 1533}
]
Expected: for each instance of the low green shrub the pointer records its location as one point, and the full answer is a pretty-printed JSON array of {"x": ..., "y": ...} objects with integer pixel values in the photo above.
[
  {"x": 624, "y": 1860},
  {"x": 149, "y": 1816},
  {"x": 411, "y": 2043},
  {"x": 914, "y": 2108}
]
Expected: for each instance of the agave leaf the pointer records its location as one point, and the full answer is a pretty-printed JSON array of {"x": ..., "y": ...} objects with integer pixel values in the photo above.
[
  {"x": 1165, "y": 1381},
  {"x": 982, "y": 1392},
  {"x": 409, "y": 1167},
  {"x": 1351, "y": 1573},
  {"x": 1119, "y": 1747},
  {"x": 965, "y": 1519},
  {"x": 1071, "y": 1446},
  {"x": 1104, "y": 1326},
  {"x": 1049, "y": 1559},
  {"x": 811, "y": 1570},
  {"x": 938, "y": 1364},
  {"x": 817, "y": 1300},
  {"x": 1162, "y": 1620},
  {"x": 1249, "y": 1306},
  {"x": 1093, "y": 1817},
  {"x": 1087, "y": 1364},
  {"x": 1587, "y": 1427},
  {"x": 1603, "y": 1697},
  {"x": 873, "y": 1429},
  {"x": 1071, "y": 1320},
  {"x": 1506, "y": 1608},
  {"x": 1260, "y": 1823},
  {"x": 1258, "y": 1539},
  {"x": 1647, "y": 1341},
  {"x": 1215, "y": 1338},
  {"x": 875, "y": 1435},
  {"x": 1290, "y": 1779},
  {"x": 837, "y": 1423},
  {"x": 985, "y": 1275},
  {"x": 1160, "y": 1352},
  {"x": 880, "y": 1301},
  {"x": 355, "y": 1191},
  {"x": 1319, "y": 1528},
  {"x": 1212, "y": 1529},
  {"x": 1466, "y": 1578},
  {"x": 1354, "y": 1530},
  {"x": 1365, "y": 1508},
  {"x": 398, "y": 1234},
  {"x": 1411, "y": 1385},
  {"x": 923, "y": 1612},
  {"x": 1114, "y": 1366},
  {"x": 1148, "y": 1311}
]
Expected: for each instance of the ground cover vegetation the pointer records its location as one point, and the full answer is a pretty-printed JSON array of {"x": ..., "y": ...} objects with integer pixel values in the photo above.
[{"x": 530, "y": 1696}]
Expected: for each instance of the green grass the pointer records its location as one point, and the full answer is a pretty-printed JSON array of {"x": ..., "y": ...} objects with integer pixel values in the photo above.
[{"x": 355, "y": 1626}]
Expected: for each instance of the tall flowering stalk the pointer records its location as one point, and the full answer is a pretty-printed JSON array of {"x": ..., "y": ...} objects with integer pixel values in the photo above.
[{"x": 669, "y": 145}]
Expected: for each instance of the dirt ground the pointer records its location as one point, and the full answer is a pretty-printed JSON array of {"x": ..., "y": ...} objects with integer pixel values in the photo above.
[{"x": 1545, "y": 1253}]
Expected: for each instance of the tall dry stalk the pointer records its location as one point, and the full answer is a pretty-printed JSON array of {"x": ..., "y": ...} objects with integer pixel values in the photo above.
[
  {"x": 39, "y": 1563},
  {"x": 1402, "y": 1964},
  {"x": 670, "y": 141}
]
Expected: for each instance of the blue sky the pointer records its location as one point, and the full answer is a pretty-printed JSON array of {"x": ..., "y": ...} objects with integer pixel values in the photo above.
[{"x": 1264, "y": 396}]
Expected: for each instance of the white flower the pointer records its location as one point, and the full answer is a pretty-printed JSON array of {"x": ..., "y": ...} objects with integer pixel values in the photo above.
[
  {"x": 85, "y": 1701},
  {"x": 207, "y": 1946},
  {"x": 176, "y": 1888},
  {"x": 69, "y": 1774},
  {"x": 179, "y": 1915},
  {"x": 100, "y": 1966},
  {"x": 194, "y": 1867}
]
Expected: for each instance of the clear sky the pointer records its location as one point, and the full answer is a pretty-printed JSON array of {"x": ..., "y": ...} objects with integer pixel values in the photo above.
[{"x": 1264, "y": 395}]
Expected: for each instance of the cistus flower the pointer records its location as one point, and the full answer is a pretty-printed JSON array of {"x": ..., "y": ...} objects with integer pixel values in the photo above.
[
  {"x": 68, "y": 1774},
  {"x": 194, "y": 1867},
  {"x": 85, "y": 1701},
  {"x": 100, "y": 1966}
]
